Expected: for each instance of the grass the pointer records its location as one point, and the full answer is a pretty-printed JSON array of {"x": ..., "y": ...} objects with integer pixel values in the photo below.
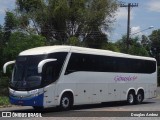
[{"x": 4, "y": 101}]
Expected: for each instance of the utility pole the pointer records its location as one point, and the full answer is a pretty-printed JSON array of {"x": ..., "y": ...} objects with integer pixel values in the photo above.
[{"x": 128, "y": 22}]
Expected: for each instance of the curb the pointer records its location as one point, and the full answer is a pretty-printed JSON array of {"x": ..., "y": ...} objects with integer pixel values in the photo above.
[{"x": 6, "y": 106}]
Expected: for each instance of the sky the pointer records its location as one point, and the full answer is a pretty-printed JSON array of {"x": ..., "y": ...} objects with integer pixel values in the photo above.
[{"x": 142, "y": 17}]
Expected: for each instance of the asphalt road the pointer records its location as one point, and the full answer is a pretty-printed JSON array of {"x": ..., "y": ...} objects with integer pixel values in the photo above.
[{"x": 109, "y": 109}]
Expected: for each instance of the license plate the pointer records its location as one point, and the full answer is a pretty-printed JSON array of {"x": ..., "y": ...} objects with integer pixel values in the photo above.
[{"x": 20, "y": 102}]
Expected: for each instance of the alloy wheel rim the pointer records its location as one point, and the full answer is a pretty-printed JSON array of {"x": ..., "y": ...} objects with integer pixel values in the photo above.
[
  {"x": 139, "y": 97},
  {"x": 131, "y": 98},
  {"x": 65, "y": 102}
]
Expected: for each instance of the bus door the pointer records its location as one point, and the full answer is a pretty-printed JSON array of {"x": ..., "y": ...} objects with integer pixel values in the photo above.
[{"x": 49, "y": 78}]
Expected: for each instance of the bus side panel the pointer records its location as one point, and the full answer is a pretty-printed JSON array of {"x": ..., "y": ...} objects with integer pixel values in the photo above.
[
  {"x": 84, "y": 93},
  {"x": 100, "y": 92},
  {"x": 78, "y": 83},
  {"x": 49, "y": 95},
  {"x": 95, "y": 87}
]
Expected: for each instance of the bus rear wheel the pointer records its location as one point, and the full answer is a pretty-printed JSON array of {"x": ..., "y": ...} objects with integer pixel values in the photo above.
[
  {"x": 66, "y": 102},
  {"x": 139, "y": 97},
  {"x": 131, "y": 98}
]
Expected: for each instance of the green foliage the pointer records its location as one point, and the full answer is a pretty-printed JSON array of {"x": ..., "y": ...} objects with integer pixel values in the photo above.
[
  {"x": 155, "y": 44},
  {"x": 9, "y": 25},
  {"x": 4, "y": 101},
  {"x": 64, "y": 19},
  {"x": 111, "y": 46},
  {"x": 145, "y": 41},
  {"x": 27, "y": 6},
  {"x": 73, "y": 41},
  {"x": 95, "y": 39},
  {"x": 1, "y": 44},
  {"x": 4, "y": 82},
  {"x": 155, "y": 38},
  {"x": 135, "y": 47},
  {"x": 121, "y": 44},
  {"x": 140, "y": 51},
  {"x": 10, "y": 21},
  {"x": 4, "y": 86},
  {"x": 19, "y": 42}
]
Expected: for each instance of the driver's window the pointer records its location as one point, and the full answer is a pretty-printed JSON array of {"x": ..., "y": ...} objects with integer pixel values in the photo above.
[{"x": 48, "y": 73}]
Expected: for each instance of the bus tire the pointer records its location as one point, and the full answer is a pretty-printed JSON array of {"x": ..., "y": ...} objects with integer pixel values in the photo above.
[
  {"x": 66, "y": 102},
  {"x": 139, "y": 97},
  {"x": 131, "y": 98}
]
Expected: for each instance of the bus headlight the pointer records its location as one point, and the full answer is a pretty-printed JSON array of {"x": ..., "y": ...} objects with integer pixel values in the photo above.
[{"x": 33, "y": 91}]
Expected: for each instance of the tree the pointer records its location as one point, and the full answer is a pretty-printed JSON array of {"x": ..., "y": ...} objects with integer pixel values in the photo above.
[
  {"x": 59, "y": 20},
  {"x": 121, "y": 44},
  {"x": 135, "y": 48},
  {"x": 110, "y": 46},
  {"x": 73, "y": 41},
  {"x": 95, "y": 39},
  {"x": 145, "y": 40},
  {"x": 155, "y": 44},
  {"x": 9, "y": 25},
  {"x": 1, "y": 44},
  {"x": 146, "y": 43},
  {"x": 19, "y": 42}
]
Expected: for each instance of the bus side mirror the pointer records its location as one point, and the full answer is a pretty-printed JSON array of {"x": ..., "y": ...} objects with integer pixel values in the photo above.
[
  {"x": 6, "y": 64},
  {"x": 42, "y": 63}
]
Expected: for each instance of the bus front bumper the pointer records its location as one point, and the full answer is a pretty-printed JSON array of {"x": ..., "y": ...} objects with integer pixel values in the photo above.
[{"x": 31, "y": 101}]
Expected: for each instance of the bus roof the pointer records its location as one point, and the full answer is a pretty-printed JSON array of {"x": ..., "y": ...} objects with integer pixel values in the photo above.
[{"x": 63, "y": 48}]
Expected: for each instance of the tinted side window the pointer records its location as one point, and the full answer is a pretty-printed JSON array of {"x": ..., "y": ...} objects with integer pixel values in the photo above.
[
  {"x": 52, "y": 70},
  {"x": 97, "y": 63},
  {"x": 60, "y": 56},
  {"x": 78, "y": 62},
  {"x": 49, "y": 73},
  {"x": 149, "y": 66}
]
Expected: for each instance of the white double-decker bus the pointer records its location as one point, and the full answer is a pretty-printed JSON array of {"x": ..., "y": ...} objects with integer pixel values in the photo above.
[{"x": 66, "y": 75}]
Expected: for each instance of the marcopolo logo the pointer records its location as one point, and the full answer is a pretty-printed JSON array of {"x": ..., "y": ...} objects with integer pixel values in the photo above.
[{"x": 124, "y": 78}]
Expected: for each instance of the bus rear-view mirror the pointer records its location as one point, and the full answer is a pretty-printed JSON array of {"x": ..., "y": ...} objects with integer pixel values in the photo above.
[
  {"x": 6, "y": 64},
  {"x": 43, "y": 62}
]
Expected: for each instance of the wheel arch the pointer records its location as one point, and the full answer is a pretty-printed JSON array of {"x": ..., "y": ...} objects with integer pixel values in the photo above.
[
  {"x": 140, "y": 89},
  {"x": 129, "y": 90},
  {"x": 64, "y": 92}
]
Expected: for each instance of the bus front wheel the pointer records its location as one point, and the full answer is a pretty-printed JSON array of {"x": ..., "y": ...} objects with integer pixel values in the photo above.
[{"x": 66, "y": 102}]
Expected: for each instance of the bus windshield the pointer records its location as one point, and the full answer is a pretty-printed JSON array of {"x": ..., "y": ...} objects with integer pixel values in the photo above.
[{"x": 25, "y": 75}]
